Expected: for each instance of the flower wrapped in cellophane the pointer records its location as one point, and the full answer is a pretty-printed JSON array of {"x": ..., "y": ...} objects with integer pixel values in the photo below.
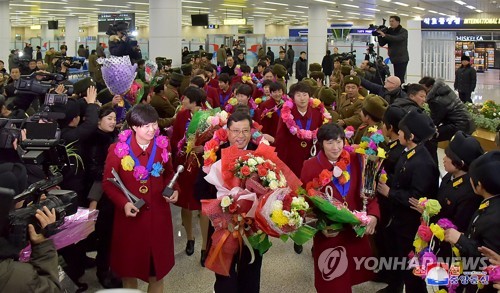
[
  {"x": 281, "y": 213},
  {"x": 233, "y": 212},
  {"x": 75, "y": 228},
  {"x": 372, "y": 157},
  {"x": 332, "y": 214}
]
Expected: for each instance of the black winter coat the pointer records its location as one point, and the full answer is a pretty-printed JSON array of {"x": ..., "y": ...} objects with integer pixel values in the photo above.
[
  {"x": 448, "y": 113},
  {"x": 416, "y": 175},
  {"x": 465, "y": 79},
  {"x": 407, "y": 104},
  {"x": 389, "y": 96},
  {"x": 94, "y": 152},
  {"x": 301, "y": 68},
  {"x": 327, "y": 65},
  {"x": 397, "y": 39}
]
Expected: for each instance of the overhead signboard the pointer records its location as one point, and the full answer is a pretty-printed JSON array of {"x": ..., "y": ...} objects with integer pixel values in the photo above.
[
  {"x": 235, "y": 21},
  {"x": 105, "y": 19},
  {"x": 452, "y": 23}
]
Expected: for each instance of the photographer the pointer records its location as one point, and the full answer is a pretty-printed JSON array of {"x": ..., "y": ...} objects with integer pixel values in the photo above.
[
  {"x": 41, "y": 273},
  {"x": 119, "y": 42},
  {"x": 396, "y": 37}
]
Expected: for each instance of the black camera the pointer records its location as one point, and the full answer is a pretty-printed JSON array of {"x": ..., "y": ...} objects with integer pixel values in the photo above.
[
  {"x": 119, "y": 26},
  {"x": 371, "y": 49},
  {"x": 374, "y": 28},
  {"x": 40, "y": 83},
  {"x": 10, "y": 130},
  {"x": 68, "y": 62},
  {"x": 64, "y": 202},
  {"x": 348, "y": 56}
]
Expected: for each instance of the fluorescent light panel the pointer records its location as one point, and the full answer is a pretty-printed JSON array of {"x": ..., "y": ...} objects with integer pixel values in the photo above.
[
  {"x": 325, "y": 1},
  {"x": 293, "y": 11},
  {"x": 233, "y": 5},
  {"x": 470, "y": 7},
  {"x": 419, "y": 8},
  {"x": 373, "y": 9},
  {"x": 401, "y": 4},
  {"x": 265, "y": 8},
  {"x": 349, "y": 5},
  {"x": 275, "y": 3},
  {"x": 460, "y": 2}
]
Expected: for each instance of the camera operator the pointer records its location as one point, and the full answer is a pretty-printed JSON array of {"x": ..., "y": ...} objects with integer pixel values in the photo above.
[
  {"x": 120, "y": 44},
  {"x": 41, "y": 273},
  {"x": 396, "y": 37},
  {"x": 59, "y": 64}
]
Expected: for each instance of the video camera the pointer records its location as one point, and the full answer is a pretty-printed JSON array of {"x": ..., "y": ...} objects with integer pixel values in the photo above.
[
  {"x": 348, "y": 56},
  {"x": 374, "y": 28},
  {"x": 119, "y": 26},
  {"x": 371, "y": 49},
  {"x": 10, "y": 130},
  {"x": 40, "y": 83},
  {"x": 68, "y": 62}
]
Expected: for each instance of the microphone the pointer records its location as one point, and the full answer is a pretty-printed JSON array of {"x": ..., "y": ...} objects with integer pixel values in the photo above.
[{"x": 168, "y": 191}]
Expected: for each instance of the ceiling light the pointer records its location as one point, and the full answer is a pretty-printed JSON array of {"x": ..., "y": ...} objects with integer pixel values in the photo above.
[
  {"x": 106, "y": 5},
  {"x": 325, "y": 1},
  {"x": 403, "y": 14},
  {"x": 440, "y": 13},
  {"x": 195, "y": 7},
  {"x": 470, "y": 7},
  {"x": 349, "y": 5},
  {"x": 44, "y": 2},
  {"x": 373, "y": 9},
  {"x": 298, "y": 6},
  {"x": 392, "y": 12},
  {"x": 460, "y": 2},
  {"x": 419, "y": 8},
  {"x": 387, "y": 0},
  {"x": 138, "y": 3},
  {"x": 293, "y": 11},
  {"x": 288, "y": 14},
  {"x": 85, "y": 8},
  {"x": 355, "y": 13},
  {"x": 331, "y": 10},
  {"x": 265, "y": 8},
  {"x": 275, "y": 3},
  {"x": 233, "y": 5},
  {"x": 432, "y": 11},
  {"x": 401, "y": 4},
  {"x": 479, "y": 11},
  {"x": 189, "y": 1},
  {"x": 22, "y": 5}
]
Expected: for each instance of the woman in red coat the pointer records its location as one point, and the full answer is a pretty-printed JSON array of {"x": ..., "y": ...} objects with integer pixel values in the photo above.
[
  {"x": 328, "y": 272},
  {"x": 301, "y": 117},
  {"x": 269, "y": 112},
  {"x": 142, "y": 245},
  {"x": 191, "y": 103}
]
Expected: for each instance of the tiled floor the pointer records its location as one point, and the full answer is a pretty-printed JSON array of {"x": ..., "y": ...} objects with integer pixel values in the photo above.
[{"x": 282, "y": 269}]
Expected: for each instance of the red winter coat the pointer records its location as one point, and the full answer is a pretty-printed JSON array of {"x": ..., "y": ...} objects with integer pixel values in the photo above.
[
  {"x": 148, "y": 236},
  {"x": 269, "y": 124},
  {"x": 352, "y": 245},
  {"x": 188, "y": 177},
  {"x": 212, "y": 96},
  {"x": 289, "y": 146}
]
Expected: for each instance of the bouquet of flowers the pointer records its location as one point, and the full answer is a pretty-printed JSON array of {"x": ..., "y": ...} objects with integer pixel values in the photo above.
[
  {"x": 333, "y": 214},
  {"x": 372, "y": 156},
  {"x": 282, "y": 214}
]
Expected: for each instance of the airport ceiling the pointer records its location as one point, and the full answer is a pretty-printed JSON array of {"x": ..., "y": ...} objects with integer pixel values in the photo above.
[{"x": 290, "y": 12}]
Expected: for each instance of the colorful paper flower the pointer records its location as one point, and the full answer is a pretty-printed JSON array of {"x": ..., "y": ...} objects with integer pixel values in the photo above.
[
  {"x": 157, "y": 169},
  {"x": 164, "y": 155},
  {"x": 424, "y": 232},
  {"x": 437, "y": 231},
  {"x": 162, "y": 141},
  {"x": 140, "y": 172},
  {"x": 121, "y": 149},
  {"x": 124, "y": 135},
  {"x": 127, "y": 163},
  {"x": 419, "y": 244},
  {"x": 445, "y": 224},
  {"x": 432, "y": 207}
]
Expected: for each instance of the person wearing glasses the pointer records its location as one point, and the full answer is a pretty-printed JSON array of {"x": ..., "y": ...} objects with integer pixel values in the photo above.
[
  {"x": 243, "y": 276},
  {"x": 142, "y": 246},
  {"x": 390, "y": 91}
]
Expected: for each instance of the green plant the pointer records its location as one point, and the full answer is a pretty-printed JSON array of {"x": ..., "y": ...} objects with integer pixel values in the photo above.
[
  {"x": 485, "y": 115},
  {"x": 71, "y": 151}
]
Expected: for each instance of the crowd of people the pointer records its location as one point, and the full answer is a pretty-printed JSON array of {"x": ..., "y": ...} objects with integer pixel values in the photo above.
[{"x": 305, "y": 121}]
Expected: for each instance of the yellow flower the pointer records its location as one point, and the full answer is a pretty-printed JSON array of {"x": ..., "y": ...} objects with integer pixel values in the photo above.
[
  {"x": 121, "y": 103},
  {"x": 128, "y": 163},
  {"x": 442, "y": 291},
  {"x": 381, "y": 153},
  {"x": 346, "y": 175},
  {"x": 432, "y": 207},
  {"x": 360, "y": 151},
  {"x": 373, "y": 129},
  {"x": 419, "y": 244},
  {"x": 437, "y": 231},
  {"x": 383, "y": 178},
  {"x": 363, "y": 145},
  {"x": 456, "y": 252},
  {"x": 316, "y": 103},
  {"x": 422, "y": 199},
  {"x": 278, "y": 218},
  {"x": 258, "y": 101},
  {"x": 233, "y": 101}
]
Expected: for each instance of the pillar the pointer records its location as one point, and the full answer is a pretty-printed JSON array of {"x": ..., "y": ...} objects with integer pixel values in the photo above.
[
  {"x": 316, "y": 38},
  {"x": 71, "y": 35},
  {"x": 165, "y": 39},
  {"x": 5, "y": 30},
  {"x": 259, "y": 25},
  {"x": 414, "y": 69},
  {"x": 47, "y": 35},
  {"x": 233, "y": 29}
]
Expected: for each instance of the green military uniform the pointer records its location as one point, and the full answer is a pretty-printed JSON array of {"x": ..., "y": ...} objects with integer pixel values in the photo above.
[
  {"x": 187, "y": 69},
  {"x": 374, "y": 106},
  {"x": 166, "y": 105},
  {"x": 348, "y": 109}
]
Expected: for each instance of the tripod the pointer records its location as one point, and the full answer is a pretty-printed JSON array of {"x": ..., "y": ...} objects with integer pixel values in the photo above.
[{"x": 371, "y": 54}]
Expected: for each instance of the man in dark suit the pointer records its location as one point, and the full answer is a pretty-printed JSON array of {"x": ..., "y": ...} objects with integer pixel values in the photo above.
[{"x": 416, "y": 175}]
